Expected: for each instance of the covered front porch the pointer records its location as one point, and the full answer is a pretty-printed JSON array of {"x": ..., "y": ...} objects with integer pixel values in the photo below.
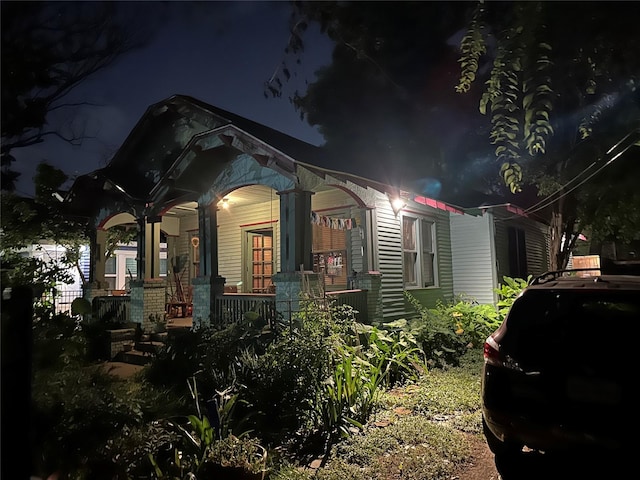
[{"x": 225, "y": 224}]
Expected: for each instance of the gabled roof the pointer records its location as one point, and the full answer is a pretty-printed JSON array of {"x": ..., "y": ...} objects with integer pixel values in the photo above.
[{"x": 178, "y": 148}]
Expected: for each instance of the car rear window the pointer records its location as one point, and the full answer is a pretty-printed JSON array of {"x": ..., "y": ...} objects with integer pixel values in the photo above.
[{"x": 547, "y": 326}]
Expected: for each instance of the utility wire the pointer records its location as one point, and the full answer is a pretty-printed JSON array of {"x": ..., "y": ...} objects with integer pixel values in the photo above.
[{"x": 547, "y": 201}]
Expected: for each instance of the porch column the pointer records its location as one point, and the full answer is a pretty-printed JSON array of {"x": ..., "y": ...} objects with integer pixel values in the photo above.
[
  {"x": 98, "y": 248},
  {"x": 148, "y": 300},
  {"x": 208, "y": 231},
  {"x": 97, "y": 286},
  {"x": 152, "y": 247},
  {"x": 295, "y": 231},
  {"x": 205, "y": 291},
  {"x": 209, "y": 284},
  {"x": 141, "y": 248},
  {"x": 296, "y": 259}
]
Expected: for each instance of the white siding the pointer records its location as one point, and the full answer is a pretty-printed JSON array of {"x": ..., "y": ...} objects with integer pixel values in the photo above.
[
  {"x": 231, "y": 225},
  {"x": 473, "y": 261}
]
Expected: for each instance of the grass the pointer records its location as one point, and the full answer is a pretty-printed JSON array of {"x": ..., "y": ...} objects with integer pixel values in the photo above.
[{"x": 419, "y": 431}]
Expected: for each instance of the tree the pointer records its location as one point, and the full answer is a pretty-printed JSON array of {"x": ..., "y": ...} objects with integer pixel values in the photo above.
[
  {"x": 376, "y": 103},
  {"x": 48, "y": 48},
  {"x": 26, "y": 222},
  {"x": 561, "y": 89},
  {"x": 557, "y": 80}
]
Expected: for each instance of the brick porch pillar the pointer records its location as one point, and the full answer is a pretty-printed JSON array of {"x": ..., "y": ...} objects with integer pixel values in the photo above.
[
  {"x": 148, "y": 301},
  {"x": 205, "y": 291}
]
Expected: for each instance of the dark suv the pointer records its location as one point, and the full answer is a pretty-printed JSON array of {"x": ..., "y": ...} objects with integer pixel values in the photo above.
[{"x": 559, "y": 371}]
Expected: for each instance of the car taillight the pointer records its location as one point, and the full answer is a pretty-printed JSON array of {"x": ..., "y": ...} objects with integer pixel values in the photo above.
[{"x": 492, "y": 352}]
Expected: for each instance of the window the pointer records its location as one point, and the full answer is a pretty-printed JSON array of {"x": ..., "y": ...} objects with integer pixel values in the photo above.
[
  {"x": 330, "y": 255},
  {"x": 517, "y": 253},
  {"x": 418, "y": 255},
  {"x": 110, "y": 272}
]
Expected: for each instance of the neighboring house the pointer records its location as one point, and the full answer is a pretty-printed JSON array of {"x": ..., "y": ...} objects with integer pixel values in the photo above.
[
  {"x": 493, "y": 242},
  {"x": 53, "y": 255},
  {"x": 248, "y": 212}
]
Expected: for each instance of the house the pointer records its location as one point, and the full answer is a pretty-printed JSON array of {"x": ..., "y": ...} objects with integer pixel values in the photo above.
[
  {"x": 250, "y": 217},
  {"x": 492, "y": 242}
]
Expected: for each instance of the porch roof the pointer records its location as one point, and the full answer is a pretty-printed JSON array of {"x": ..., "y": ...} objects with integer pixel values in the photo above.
[
  {"x": 163, "y": 159},
  {"x": 159, "y": 140}
]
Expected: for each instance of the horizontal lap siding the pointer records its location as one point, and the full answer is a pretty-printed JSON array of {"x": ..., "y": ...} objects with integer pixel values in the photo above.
[
  {"x": 389, "y": 241},
  {"x": 230, "y": 238},
  {"x": 473, "y": 262},
  {"x": 536, "y": 243}
]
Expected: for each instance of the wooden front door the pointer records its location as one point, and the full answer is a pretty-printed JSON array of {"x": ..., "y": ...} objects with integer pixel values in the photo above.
[{"x": 259, "y": 261}]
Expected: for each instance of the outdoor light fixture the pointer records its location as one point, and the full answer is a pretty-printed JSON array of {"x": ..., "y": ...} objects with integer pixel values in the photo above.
[
  {"x": 225, "y": 203},
  {"x": 398, "y": 204}
]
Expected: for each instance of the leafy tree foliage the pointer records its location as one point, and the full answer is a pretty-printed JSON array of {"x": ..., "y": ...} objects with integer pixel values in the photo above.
[
  {"x": 382, "y": 103},
  {"x": 561, "y": 92},
  {"x": 26, "y": 222},
  {"x": 557, "y": 80},
  {"x": 49, "y": 48}
]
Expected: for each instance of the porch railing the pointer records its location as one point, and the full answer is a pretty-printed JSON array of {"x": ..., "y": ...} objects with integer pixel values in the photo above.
[
  {"x": 231, "y": 307},
  {"x": 61, "y": 299},
  {"x": 112, "y": 308},
  {"x": 355, "y": 298}
]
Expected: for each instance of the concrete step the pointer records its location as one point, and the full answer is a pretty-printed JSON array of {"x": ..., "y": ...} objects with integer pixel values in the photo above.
[
  {"x": 151, "y": 346},
  {"x": 134, "y": 357}
]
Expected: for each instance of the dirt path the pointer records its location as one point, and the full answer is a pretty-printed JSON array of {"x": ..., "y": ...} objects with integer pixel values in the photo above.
[{"x": 482, "y": 466}]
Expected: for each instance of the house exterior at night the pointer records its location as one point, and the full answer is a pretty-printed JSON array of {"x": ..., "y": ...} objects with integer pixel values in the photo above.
[{"x": 247, "y": 213}]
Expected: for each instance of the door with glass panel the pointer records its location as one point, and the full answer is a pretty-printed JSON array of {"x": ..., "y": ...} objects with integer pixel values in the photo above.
[{"x": 259, "y": 261}]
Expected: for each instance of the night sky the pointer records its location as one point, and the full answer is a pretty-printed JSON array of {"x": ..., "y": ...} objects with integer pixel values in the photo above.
[{"x": 218, "y": 52}]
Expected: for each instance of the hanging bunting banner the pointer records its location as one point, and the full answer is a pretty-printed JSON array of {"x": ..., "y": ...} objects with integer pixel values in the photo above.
[{"x": 333, "y": 222}]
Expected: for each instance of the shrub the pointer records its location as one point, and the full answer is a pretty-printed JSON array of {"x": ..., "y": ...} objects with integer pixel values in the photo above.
[
  {"x": 508, "y": 292},
  {"x": 435, "y": 331}
]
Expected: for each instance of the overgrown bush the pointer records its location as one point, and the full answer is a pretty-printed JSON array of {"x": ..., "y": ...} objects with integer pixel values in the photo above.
[
  {"x": 448, "y": 330},
  {"x": 436, "y": 332},
  {"x": 508, "y": 292}
]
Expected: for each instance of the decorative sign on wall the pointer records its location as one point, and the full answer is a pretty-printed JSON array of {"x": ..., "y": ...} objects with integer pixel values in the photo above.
[
  {"x": 334, "y": 222},
  {"x": 329, "y": 263}
]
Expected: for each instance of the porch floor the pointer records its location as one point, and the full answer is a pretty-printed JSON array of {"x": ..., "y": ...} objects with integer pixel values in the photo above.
[{"x": 180, "y": 322}]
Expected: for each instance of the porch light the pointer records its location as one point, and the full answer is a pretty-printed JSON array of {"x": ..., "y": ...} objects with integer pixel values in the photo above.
[
  {"x": 398, "y": 204},
  {"x": 225, "y": 203}
]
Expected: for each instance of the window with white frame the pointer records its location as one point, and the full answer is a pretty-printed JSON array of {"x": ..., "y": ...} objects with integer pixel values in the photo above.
[{"x": 418, "y": 254}]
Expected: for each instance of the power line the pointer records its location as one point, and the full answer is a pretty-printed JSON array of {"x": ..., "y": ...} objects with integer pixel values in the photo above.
[{"x": 547, "y": 201}]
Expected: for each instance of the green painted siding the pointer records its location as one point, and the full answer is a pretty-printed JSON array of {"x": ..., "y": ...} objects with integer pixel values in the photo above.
[{"x": 389, "y": 242}]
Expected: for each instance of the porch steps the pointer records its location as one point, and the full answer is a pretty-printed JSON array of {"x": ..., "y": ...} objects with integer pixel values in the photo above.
[
  {"x": 143, "y": 351},
  {"x": 134, "y": 357}
]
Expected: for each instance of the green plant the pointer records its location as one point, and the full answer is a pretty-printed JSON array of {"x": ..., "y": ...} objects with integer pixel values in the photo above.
[
  {"x": 437, "y": 334},
  {"x": 394, "y": 348},
  {"x": 472, "y": 321},
  {"x": 508, "y": 292},
  {"x": 244, "y": 453},
  {"x": 200, "y": 448},
  {"x": 190, "y": 454}
]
